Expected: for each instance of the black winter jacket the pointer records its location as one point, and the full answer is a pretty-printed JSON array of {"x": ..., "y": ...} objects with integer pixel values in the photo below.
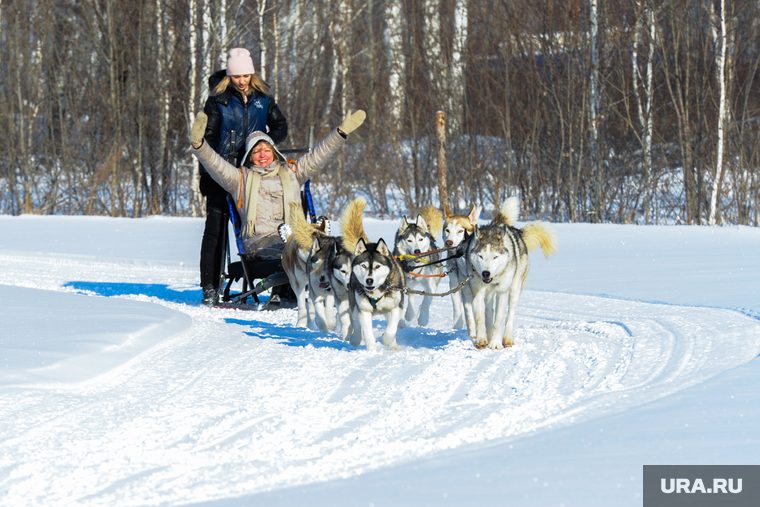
[{"x": 276, "y": 124}]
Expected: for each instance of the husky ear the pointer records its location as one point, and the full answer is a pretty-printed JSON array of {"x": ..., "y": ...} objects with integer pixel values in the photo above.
[
  {"x": 383, "y": 248},
  {"x": 421, "y": 223},
  {"x": 361, "y": 247},
  {"x": 475, "y": 233},
  {"x": 474, "y": 214},
  {"x": 403, "y": 225},
  {"x": 315, "y": 246}
]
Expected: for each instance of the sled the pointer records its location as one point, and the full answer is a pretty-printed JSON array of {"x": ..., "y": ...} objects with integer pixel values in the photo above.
[{"x": 257, "y": 276}]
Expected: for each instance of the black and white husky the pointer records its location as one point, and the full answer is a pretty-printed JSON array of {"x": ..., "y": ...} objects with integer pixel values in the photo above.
[
  {"x": 376, "y": 286},
  {"x": 497, "y": 256},
  {"x": 413, "y": 238}
]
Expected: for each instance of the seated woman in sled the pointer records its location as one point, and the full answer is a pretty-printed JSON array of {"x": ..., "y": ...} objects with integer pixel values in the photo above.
[{"x": 266, "y": 183}]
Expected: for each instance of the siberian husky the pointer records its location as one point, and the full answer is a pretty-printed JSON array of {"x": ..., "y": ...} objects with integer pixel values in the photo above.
[
  {"x": 321, "y": 291},
  {"x": 457, "y": 231},
  {"x": 498, "y": 259},
  {"x": 412, "y": 239},
  {"x": 329, "y": 267},
  {"x": 295, "y": 256},
  {"x": 352, "y": 230},
  {"x": 376, "y": 286}
]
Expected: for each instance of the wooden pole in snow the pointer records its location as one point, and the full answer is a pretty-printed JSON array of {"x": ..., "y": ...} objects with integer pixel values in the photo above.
[{"x": 441, "y": 134}]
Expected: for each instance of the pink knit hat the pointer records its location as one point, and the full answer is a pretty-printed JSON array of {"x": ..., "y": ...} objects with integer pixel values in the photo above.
[{"x": 239, "y": 62}]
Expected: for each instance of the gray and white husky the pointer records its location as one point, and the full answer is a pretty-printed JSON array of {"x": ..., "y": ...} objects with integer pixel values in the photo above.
[
  {"x": 497, "y": 256},
  {"x": 413, "y": 238},
  {"x": 329, "y": 267},
  {"x": 376, "y": 286}
]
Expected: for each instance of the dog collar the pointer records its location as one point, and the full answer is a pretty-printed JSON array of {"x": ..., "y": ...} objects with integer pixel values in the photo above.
[{"x": 373, "y": 301}]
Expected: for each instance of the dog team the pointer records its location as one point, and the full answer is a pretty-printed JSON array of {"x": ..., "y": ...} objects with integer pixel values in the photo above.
[{"x": 349, "y": 275}]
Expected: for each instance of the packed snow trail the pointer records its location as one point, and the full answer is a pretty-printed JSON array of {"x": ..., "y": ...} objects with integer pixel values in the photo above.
[
  {"x": 245, "y": 401},
  {"x": 220, "y": 404}
]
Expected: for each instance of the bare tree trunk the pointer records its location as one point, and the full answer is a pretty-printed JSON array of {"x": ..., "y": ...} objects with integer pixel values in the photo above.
[
  {"x": 157, "y": 180},
  {"x": 457, "y": 69},
  {"x": 28, "y": 202},
  {"x": 396, "y": 59},
  {"x": 594, "y": 110},
  {"x": 645, "y": 110},
  {"x": 262, "y": 7},
  {"x": 443, "y": 194},
  {"x": 723, "y": 113},
  {"x": 136, "y": 208}
]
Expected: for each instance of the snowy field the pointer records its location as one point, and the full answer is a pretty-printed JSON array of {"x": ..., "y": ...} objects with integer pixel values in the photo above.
[{"x": 634, "y": 345}]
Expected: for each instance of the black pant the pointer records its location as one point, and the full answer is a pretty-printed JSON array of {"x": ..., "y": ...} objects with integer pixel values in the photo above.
[{"x": 212, "y": 246}]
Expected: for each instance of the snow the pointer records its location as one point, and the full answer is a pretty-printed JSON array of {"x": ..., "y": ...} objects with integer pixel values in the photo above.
[{"x": 634, "y": 345}]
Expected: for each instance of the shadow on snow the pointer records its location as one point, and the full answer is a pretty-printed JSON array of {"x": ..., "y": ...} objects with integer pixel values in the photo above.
[
  {"x": 292, "y": 336},
  {"x": 161, "y": 291}
]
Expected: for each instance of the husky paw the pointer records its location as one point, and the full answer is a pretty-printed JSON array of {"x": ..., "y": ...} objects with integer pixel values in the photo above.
[
  {"x": 481, "y": 344},
  {"x": 507, "y": 342},
  {"x": 284, "y": 230},
  {"x": 495, "y": 345}
]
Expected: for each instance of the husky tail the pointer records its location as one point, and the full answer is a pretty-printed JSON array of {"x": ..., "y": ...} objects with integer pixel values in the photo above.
[
  {"x": 303, "y": 231},
  {"x": 351, "y": 224},
  {"x": 541, "y": 234},
  {"x": 433, "y": 218},
  {"x": 509, "y": 212}
]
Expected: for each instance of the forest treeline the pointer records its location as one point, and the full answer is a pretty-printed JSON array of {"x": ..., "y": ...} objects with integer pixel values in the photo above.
[{"x": 626, "y": 111}]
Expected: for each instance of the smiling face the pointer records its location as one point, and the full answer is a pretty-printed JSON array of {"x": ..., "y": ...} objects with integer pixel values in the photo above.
[{"x": 262, "y": 154}]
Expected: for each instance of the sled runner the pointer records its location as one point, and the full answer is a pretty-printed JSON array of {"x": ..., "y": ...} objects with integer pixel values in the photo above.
[{"x": 269, "y": 273}]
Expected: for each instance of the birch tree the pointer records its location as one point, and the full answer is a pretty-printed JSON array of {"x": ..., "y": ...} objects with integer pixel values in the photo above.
[
  {"x": 723, "y": 111},
  {"x": 593, "y": 119},
  {"x": 646, "y": 21},
  {"x": 457, "y": 67},
  {"x": 397, "y": 64}
]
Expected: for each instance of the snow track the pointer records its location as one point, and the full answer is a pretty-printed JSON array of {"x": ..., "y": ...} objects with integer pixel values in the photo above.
[{"x": 244, "y": 402}]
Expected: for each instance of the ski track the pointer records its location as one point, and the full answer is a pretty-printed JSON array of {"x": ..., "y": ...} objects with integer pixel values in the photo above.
[{"x": 244, "y": 402}]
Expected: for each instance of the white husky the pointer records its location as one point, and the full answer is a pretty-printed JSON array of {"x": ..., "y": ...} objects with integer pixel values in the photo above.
[{"x": 498, "y": 260}]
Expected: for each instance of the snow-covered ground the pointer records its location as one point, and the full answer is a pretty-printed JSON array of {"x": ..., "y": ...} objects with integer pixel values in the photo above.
[{"x": 634, "y": 345}]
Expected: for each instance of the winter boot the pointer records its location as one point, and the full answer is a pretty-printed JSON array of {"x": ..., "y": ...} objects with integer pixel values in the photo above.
[{"x": 210, "y": 295}]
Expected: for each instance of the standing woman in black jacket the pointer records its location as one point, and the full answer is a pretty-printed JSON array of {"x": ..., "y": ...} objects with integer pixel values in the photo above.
[{"x": 239, "y": 104}]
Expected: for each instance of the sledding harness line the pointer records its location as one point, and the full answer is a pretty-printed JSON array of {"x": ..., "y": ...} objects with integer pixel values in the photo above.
[
  {"x": 417, "y": 257},
  {"x": 407, "y": 290}
]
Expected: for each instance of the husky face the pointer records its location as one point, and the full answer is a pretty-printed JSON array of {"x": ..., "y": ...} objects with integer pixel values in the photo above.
[
  {"x": 489, "y": 256},
  {"x": 453, "y": 232},
  {"x": 413, "y": 238},
  {"x": 341, "y": 265},
  {"x": 372, "y": 265},
  {"x": 318, "y": 274},
  {"x": 457, "y": 227}
]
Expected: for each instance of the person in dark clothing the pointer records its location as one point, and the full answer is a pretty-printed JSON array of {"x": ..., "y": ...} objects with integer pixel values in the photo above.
[{"x": 238, "y": 105}]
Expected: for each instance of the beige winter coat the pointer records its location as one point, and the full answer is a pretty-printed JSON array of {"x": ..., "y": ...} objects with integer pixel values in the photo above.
[{"x": 261, "y": 193}]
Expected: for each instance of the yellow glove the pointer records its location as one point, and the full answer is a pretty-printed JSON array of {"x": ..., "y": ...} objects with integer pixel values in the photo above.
[
  {"x": 352, "y": 121},
  {"x": 199, "y": 128}
]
